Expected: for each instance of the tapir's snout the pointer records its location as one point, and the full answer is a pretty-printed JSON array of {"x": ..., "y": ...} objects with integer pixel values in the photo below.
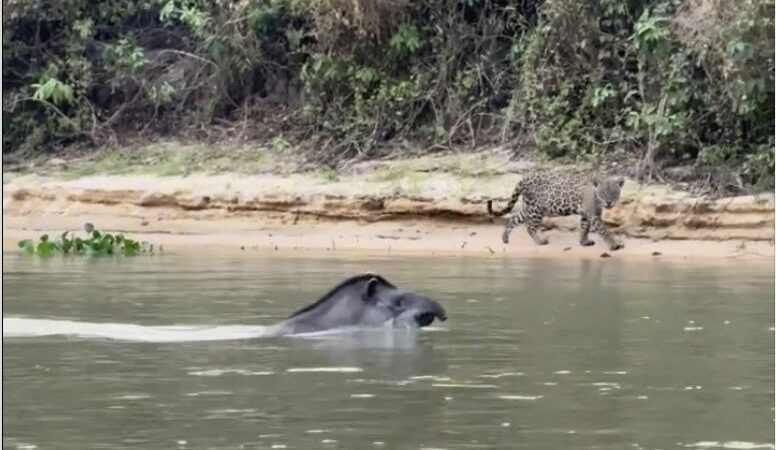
[
  {"x": 427, "y": 315},
  {"x": 440, "y": 312}
]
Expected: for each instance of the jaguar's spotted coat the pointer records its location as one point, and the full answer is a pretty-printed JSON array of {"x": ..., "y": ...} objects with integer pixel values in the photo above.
[{"x": 555, "y": 193}]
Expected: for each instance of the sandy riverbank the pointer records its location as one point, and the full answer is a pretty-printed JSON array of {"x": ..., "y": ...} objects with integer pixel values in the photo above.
[
  {"x": 398, "y": 208},
  {"x": 382, "y": 238}
]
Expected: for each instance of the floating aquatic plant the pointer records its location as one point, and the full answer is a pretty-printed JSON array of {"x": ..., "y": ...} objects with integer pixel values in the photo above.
[{"x": 95, "y": 243}]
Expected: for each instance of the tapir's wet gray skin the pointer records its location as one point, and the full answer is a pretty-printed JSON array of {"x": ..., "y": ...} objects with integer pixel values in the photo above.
[{"x": 363, "y": 300}]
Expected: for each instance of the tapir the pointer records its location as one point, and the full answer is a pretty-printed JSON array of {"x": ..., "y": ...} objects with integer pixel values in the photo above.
[{"x": 363, "y": 300}]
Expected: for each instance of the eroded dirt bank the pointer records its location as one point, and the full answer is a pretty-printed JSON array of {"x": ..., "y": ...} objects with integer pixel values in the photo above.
[{"x": 373, "y": 209}]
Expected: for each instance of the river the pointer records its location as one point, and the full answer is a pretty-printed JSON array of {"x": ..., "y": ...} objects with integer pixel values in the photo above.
[{"x": 166, "y": 351}]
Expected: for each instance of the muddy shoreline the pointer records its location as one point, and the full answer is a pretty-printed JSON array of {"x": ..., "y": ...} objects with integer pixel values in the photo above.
[{"x": 439, "y": 213}]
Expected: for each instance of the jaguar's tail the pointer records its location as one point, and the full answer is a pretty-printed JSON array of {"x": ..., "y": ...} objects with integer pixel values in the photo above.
[{"x": 510, "y": 205}]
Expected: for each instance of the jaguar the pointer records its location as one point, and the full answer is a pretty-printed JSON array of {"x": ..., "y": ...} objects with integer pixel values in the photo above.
[{"x": 547, "y": 193}]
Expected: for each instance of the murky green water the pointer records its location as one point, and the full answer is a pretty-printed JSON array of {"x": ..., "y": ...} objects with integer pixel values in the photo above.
[{"x": 536, "y": 354}]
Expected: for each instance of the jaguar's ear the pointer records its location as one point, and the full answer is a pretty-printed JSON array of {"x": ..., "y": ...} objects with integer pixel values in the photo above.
[{"x": 620, "y": 181}]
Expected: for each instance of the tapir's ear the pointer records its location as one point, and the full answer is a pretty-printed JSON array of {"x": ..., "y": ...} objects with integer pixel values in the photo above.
[
  {"x": 620, "y": 181},
  {"x": 595, "y": 181},
  {"x": 371, "y": 288}
]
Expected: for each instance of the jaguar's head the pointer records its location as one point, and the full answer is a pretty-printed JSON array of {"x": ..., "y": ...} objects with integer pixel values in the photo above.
[{"x": 607, "y": 190}]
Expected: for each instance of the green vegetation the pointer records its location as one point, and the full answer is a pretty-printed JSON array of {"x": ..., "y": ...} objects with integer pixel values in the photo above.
[
  {"x": 669, "y": 89},
  {"x": 170, "y": 159},
  {"x": 94, "y": 244}
]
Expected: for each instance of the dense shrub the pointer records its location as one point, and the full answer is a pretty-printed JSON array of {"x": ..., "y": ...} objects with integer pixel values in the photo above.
[{"x": 661, "y": 82}]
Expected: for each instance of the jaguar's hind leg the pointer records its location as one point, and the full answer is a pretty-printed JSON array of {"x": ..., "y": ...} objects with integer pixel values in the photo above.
[
  {"x": 514, "y": 221},
  {"x": 534, "y": 223}
]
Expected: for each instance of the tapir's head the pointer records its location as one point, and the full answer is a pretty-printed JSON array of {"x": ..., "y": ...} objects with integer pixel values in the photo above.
[
  {"x": 366, "y": 300},
  {"x": 381, "y": 298}
]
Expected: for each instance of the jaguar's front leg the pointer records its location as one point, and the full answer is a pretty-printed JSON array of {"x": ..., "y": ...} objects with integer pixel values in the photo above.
[
  {"x": 584, "y": 230},
  {"x": 601, "y": 229}
]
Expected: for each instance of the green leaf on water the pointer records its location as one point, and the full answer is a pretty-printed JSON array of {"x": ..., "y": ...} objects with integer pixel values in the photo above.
[
  {"x": 94, "y": 244},
  {"x": 46, "y": 248},
  {"x": 27, "y": 246}
]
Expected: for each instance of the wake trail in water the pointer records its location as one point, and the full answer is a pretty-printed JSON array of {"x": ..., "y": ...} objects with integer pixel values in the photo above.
[{"x": 20, "y": 327}]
